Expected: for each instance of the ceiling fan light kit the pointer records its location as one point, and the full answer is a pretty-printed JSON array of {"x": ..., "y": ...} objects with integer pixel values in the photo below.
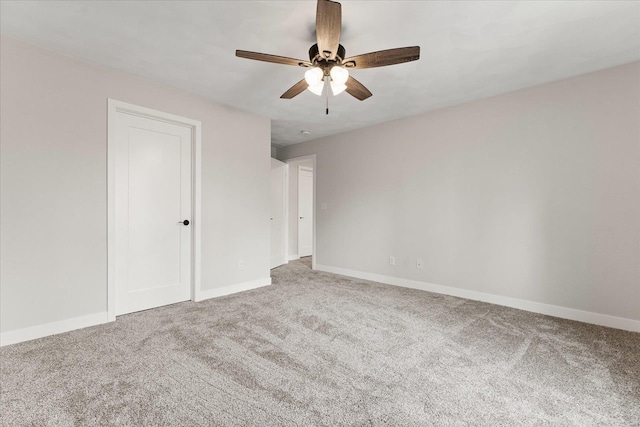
[
  {"x": 337, "y": 88},
  {"x": 317, "y": 88},
  {"x": 339, "y": 75},
  {"x": 314, "y": 76},
  {"x": 327, "y": 63}
]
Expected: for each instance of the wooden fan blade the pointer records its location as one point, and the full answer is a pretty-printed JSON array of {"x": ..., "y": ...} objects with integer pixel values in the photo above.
[
  {"x": 382, "y": 58},
  {"x": 272, "y": 58},
  {"x": 328, "y": 25},
  {"x": 295, "y": 90},
  {"x": 357, "y": 89}
]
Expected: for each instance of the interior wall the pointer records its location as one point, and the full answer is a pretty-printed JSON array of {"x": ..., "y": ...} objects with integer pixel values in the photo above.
[
  {"x": 533, "y": 195},
  {"x": 293, "y": 204},
  {"x": 54, "y": 184}
]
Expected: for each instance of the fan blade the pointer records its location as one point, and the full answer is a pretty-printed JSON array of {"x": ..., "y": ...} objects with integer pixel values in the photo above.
[
  {"x": 328, "y": 25},
  {"x": 357, "y": 89},
  {"x": 382, "y": 58},
  {"x": 272, "y": 58},
  {"x": 295, "y": 90}
]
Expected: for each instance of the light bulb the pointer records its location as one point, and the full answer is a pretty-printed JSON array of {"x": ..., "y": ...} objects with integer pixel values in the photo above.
[
  {"x": 313, "y": 76},
  {"x": 339, "y": 74},
  {"x": 317, "y": 88},
  {"x": 337, "y": 88}
]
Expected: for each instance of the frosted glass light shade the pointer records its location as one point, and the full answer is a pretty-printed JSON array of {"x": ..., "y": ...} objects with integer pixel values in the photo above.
[
  {"x": 337, "y": 88},
  {"x": 339, "y": 74},
  {"x": 313, "y": 76},
  {"x": 317, "y": 88}
]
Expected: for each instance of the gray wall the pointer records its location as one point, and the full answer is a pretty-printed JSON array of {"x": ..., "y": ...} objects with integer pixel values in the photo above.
[
  {"x": 53, "y": 181},
  {"x": 532, "y": 195}
]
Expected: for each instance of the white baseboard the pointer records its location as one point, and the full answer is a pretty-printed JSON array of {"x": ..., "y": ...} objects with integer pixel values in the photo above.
[
  {"x": 293, "y": 257},
  {"x": 232, "y": 289},
  {"x": 536, "y": 307},
  {"x": 53, "y": 328}
]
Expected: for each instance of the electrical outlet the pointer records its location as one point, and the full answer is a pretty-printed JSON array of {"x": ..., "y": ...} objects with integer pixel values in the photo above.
[
  {"x": 392, "y": 260},
  {"x": 241, "y": 265},
  {"x": 419, "y": 264}
]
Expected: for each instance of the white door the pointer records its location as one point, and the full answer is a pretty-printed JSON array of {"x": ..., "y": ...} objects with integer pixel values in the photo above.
[
  {"x": 305, "y": 211},
  {"x": 278, "y": 217},
  {"x": 153, "y": 207}
]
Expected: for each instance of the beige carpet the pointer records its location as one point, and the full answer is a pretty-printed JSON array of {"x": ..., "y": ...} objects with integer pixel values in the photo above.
[{"x": 321, "y": 349}]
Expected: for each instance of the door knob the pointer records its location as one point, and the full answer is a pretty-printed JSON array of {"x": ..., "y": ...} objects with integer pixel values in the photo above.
[
  {"x": 185, "y": 222},
  {"x": 301, "y": 217}
]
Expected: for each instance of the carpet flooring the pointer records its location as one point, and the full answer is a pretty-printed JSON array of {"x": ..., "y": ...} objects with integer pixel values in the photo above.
[{"x": 321, "y": 349}]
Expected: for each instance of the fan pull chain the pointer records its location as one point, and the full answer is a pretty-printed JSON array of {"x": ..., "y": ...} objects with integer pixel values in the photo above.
[{"x": 327, "y": 104}]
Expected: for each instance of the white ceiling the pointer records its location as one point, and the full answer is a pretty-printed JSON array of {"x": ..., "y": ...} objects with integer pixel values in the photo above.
[{"x": 469, "y": 50}]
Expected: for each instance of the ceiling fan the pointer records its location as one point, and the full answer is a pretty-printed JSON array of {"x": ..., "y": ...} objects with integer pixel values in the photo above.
[{"x": 328, "y": 67}]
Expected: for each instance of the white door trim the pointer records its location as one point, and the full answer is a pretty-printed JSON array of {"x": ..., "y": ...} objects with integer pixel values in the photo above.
[
  {"x": 114, "y": 107},
  {"x": 300, "y": 170},
  {"x": 315, "y": 213},
  {"x": 286, "y": 213},
  {"x": 285, "y": 210}
]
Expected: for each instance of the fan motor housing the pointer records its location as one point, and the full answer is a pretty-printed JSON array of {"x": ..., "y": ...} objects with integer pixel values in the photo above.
[{"x": 316, "y": 59}]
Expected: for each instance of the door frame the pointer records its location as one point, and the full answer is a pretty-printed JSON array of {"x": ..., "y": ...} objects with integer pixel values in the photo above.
[
  {"x": 306, "y": 169},
  {"x": 285, "y": 210},
  {"x": 314, "y": 255},
  {"x": 113, "y": 108}
]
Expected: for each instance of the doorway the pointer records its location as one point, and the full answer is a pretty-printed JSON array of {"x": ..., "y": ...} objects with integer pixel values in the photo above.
[
  {"x": 153, "y": 208},
  {"x": 305, "y": 211},
  {"x": 302, "y": 177}
]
